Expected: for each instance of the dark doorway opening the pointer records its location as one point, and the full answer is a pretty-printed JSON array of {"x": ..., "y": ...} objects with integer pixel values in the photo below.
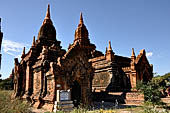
[
  {"x": 76, "y": 93},
  {"x": 145, "y": 79}
]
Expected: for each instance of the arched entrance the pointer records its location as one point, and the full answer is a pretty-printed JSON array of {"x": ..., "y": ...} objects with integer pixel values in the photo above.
[{"x": 76, "y": 93}]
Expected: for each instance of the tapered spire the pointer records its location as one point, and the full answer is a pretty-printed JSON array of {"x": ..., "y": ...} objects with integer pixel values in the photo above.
[
  {"x": 47, "y": 17},
  {"x": 47, "y": 30},
  {"x": 33, "y": 42},
  {"x": 133, "y": 52},
  {"x": 81, "y": 18},
  {"x": 133, "y": 57},
  {"x": 106, "y": 50},
  {"x": 109, "y": 53},
  {"x": 23, "y": 53},
  {"x": 109, "y": 48},
  {"x": 0, "y": 25},
  {"x": 143, "y": 52},
  {"x": 81, "y": 33},
  {"x": 48, "y": 12}
]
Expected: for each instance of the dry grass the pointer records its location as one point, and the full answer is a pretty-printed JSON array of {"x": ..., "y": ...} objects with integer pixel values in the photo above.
[{"x": 12, "y": 106}]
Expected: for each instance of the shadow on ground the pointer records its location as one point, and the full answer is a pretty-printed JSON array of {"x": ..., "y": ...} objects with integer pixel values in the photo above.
[{"x": 110, "y": 105}]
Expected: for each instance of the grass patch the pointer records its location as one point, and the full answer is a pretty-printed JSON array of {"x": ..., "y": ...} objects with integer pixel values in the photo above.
[
  {"x": 12, "y": 106},
  {"x": 140, "y": 109}
]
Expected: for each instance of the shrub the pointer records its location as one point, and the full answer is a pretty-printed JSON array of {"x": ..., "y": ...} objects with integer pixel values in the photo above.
[
  {"x": 6, "y": 84},
  {"x": 151, "y": 91},
  {"x": 155, "y": 109}
]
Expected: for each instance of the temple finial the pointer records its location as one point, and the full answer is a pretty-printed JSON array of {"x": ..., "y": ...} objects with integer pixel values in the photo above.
[
  {"x": 33, "y": 42},
  {"x": 109, "y": 48},
  {"x": 106, "y": 49},
  {"x": 0, "y": 24},
  {"x": 81, "y": 18},
  {"x": 48, "y": 12},
  {"x": 133, "y": 52},
  {"x": 47, "y": 17},
  {"x": 142, "y": 51},
  {"x": 23, "y": 53}
]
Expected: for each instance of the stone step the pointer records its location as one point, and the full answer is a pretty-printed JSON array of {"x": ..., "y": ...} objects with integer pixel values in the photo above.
[
  {"x": 64, "y": 102},
  {"x": 134, "y": 102},
  {"x": 63, "y": 105},
  {"x": 135, "y": 98},
  {"x": 115, "y": 93}
]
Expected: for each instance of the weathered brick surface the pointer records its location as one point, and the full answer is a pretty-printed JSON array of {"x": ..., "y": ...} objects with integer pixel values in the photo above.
[
  {"x": 117, "y": 73},
  {"x": 46, "y": 68},
  {"x": 134, "y": 98}
]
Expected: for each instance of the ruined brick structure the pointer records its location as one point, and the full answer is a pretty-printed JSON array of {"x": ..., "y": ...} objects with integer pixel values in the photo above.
[
  {"x": 1, "y": 36},
  {"x": 118, "y": 73},
  {"x": 47, "y": 68}
]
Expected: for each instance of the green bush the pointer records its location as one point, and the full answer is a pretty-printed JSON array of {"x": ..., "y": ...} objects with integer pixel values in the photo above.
[
  {"x": 151, "y": 91},
  {"x": 148, "y": 109},
  {"x": 12, "y": 106}
]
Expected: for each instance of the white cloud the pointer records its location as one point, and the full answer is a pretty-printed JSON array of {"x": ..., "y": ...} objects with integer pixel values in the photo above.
[
  {"x": 13, "y": 48},
  {"x": 149, "y": 54}
]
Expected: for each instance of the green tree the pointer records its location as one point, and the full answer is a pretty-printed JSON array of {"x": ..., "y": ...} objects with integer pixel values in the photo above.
[
  {"x": 6, "y": 84},
  {"x": 151, "y": 91}
]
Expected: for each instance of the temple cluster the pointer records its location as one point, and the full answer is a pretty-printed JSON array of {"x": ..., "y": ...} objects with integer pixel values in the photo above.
[{"x": 47, "y": 68}]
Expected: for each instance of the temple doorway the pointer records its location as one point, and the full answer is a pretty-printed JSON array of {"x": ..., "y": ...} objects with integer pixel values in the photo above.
[
  {"x": 145, "y": 79},
  {"x": 76, "y": 93}
]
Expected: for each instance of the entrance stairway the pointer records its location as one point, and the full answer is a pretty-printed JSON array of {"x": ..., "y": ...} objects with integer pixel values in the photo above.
[{"x": 65, "y": 106}]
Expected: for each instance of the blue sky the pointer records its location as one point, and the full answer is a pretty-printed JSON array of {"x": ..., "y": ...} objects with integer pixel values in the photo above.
[{"x": 139, "y": 24}]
